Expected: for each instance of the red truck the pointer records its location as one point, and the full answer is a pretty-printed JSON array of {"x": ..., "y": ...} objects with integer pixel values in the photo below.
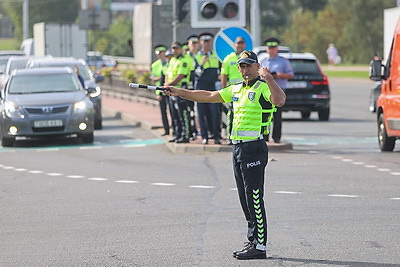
[{"x": 388, "y": 104}]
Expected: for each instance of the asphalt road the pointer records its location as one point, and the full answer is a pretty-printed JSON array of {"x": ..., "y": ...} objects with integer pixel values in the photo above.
[{"x": 333, "y": 200}]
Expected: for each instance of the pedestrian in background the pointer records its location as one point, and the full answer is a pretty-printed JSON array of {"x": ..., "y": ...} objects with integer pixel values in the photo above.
[
  {"x": 158, "y": 70},
  {"x": 230, "y": 74},
  {"x": 333, "y": 55},
  {"x": 281, "y": 70},
  {"x": 177, "y": 72},
  {"x": 257, "y": 95},
  {"x": 207, "y": 73}
]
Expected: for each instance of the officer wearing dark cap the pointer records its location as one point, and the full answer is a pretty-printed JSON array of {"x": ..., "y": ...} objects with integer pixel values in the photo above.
[
  {"x": 158, "y": 71},
  {"x": 282, "y": 71},
  {"x": 178, "y": 70},
  {"x": 193, "y": 49},
  {"x": 254, "y": 100},
  {"x": 207, "y": 72}
]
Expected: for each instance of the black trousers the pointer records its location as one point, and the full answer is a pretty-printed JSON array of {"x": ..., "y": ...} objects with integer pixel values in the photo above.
[
  {"x": 180, "y": 116},
  {"x": 277, "y": 125},
  {"x": 164, "y": 102},
  {"x": 249, "y": 162}
]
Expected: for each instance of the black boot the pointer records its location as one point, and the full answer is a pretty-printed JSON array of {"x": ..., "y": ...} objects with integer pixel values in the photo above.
[
  {"x": 247, "y": 245},
  {"x": 251, "y": 253}
]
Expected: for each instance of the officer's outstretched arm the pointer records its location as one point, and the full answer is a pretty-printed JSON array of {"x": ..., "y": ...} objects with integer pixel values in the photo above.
[{"x": 195, "y": 95}]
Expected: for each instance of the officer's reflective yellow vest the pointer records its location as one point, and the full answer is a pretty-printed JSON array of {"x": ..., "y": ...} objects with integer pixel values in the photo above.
[{"x": 252, "y": 113}]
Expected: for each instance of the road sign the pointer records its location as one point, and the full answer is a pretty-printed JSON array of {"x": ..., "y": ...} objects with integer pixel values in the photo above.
[{"x": 224, "y": 41}]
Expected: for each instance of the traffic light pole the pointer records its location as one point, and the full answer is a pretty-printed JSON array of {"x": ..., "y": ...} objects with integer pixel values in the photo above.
[
  {"x": 174, "y": 20},
  {"x": 255, "y": 21}
]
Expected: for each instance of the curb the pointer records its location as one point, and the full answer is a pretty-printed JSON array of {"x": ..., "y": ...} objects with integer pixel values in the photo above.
[{"x": 183, "y": 148}]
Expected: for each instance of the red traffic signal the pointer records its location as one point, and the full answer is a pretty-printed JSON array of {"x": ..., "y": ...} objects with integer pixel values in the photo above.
[{"x": 230, "y": 10}]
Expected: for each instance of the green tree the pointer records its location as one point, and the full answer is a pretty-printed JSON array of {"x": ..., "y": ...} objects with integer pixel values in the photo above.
[
  {"x": 57, "y": 11},
  {"x": 115, "y": 40}
]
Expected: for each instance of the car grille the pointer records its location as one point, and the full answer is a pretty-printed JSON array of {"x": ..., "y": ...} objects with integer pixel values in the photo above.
[{"x": 47, "y": 109}]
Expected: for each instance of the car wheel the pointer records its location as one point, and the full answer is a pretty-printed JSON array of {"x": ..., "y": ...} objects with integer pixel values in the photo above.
[
  {"x": 386, "y": 143},
  {"x": 7, "y": 141},
  {"x": 98, "y": 124},
  {"x": 305, "y": 115},
  {"x": 87, "y": 138},
  {"x": 323, "y": 115}
]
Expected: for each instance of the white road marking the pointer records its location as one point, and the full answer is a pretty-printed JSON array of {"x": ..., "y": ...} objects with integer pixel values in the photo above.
[
  {"x": 288, "y": 192},
  {"x": 384, "y": 170},
  {"x": 370, "y": 166},
  {"x": 126, "y": 182},
  {"x": 8, "y": 167},
  {"x": 395, "y": 198},
  {"x": 75, "y": 176},
  {"x": 54, "y": 174},
  {"x": 97, "y": 179},
  {"x": 90, "y": 147},
  {"x": 163, "y": 184},
  {"x": 47, "y": 149},
  {"x": 347, "y": 160},
  {"x": 20, "y": 170},
  {"x": 202, "y": 186},
  {"x": 358, "y": 163},
  {"x": 395, "y": 173},
  {"x": 339, "y": 195}
]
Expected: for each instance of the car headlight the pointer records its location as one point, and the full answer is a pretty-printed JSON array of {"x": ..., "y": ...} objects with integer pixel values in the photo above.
[
  {"x": 80, "y": 106},
  {"x": 95, "y": 93},
  {"x": 13, "y": 111}
]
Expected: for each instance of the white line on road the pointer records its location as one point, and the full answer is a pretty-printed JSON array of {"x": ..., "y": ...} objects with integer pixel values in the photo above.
[
  {"x": 288, "y": 192},
  {"x": 395, "y": 173},
  {"x": 339, "y": 195},
  {"x": 395, "y": 198},
  {"x": 126, "y": 182},
  {"x": 35, "y": 172},
  {"x": 370, "y": 166},
  {"x": 383, "y": 170},
  {"x": 75, "y": 176},
  {"x": 97, "y": 179},
  {"x": 163, "y": 184},
  {"x": 202, "y": 186},
  {"x": 54, "y": 174}
]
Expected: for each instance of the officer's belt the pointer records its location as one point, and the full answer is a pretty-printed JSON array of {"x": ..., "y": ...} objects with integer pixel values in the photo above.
[{"x": 235, "y": 142}]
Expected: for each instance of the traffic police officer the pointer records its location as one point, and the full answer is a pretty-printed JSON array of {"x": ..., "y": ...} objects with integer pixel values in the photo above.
[
  {"x": 177, "y": 72},
  {"x": 254, "y": 101},
  {"x": 282, "y": 70},
  {"x": 158, "y": 70},
  {"x": 207, "y": 72},
  {"x": 230, "y": 75}
]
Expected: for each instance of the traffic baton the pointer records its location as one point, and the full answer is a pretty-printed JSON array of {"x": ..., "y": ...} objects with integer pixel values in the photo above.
[{"x": 149, "y": 87}]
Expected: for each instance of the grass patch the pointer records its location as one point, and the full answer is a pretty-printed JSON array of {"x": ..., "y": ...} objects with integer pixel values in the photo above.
[
  {"x": 9, "y": 44},
  {"x": 347, "y": 74}
]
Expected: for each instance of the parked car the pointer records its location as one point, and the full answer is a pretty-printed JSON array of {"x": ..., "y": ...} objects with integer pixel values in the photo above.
[
  {"x": 45, "y": 102},
  {"x": 308, "y": 90},
  {"x": 95, "y": 59},
  {"x": 87, "y": 75},
  {"x": 14, "y": 62},
  {"x": 109, "y": 61},
  {"x": 261, "y": 51}
]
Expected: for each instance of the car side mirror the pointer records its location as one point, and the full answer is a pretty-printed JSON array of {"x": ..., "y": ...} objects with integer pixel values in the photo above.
[
  {"x": 376, "y": 70},
  {"x": 90, "y": 90}
]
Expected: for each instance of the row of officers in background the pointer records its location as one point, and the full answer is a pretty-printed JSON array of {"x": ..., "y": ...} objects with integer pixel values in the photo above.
[{"x": 193, "y": 65}]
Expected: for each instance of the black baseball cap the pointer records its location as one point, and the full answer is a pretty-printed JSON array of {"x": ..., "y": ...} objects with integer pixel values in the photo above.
[{"x": 247, "y": 57}]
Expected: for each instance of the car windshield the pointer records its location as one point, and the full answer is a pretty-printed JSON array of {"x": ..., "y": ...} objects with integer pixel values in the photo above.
[
  {"x": 304, "y": 66},
  {"x": 54, "y": 83}
]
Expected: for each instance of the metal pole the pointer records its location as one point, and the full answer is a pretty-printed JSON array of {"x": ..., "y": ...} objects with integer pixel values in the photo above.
[
  {"x": 25, "y": 19},
  {"x": 255, "y": 21},
  {"x": 174, "y": 20}
]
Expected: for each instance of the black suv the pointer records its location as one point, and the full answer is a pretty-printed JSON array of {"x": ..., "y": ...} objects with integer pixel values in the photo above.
[{"x": 308, "y": 90}]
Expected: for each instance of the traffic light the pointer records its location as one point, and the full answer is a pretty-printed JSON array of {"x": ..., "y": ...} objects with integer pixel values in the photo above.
[
  {"x": 181, "y": 10},
  {"x": 218, "y": 13}
]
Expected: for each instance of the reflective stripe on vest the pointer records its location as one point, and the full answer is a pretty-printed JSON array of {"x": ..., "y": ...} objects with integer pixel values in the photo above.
[{"x": 251, "y": 118}]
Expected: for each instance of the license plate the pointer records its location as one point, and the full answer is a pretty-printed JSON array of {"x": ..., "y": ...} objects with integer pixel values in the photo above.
[
  {"x": 47, "y": 123},
  {"x": 297, "y": 84}
]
